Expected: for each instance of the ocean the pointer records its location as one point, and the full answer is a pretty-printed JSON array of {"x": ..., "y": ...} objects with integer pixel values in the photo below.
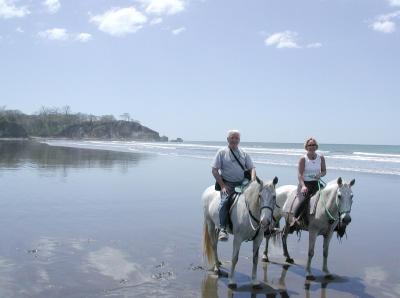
[{"x": 373, "y": 159}]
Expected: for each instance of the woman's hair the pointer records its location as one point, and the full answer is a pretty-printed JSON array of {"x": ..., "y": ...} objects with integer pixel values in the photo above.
[{"x": 309, "y": 140}]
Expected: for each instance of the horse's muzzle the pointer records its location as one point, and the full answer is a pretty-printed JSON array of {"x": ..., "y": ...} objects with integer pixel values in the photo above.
[
  {"x": 346, "y": 219},
  {"x": 265, "y": 223}
]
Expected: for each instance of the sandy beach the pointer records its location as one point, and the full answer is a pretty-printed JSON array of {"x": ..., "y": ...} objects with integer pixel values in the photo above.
[{"x": 98, "y": 223}]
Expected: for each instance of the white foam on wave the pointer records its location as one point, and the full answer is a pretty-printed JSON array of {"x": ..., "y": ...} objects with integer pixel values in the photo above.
[
  {"x": 377, "y": 154},
  {"x": 365, "y": 158}
]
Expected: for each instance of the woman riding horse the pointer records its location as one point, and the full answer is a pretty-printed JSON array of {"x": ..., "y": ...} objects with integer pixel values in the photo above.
[{"x": 310, "y": 169}]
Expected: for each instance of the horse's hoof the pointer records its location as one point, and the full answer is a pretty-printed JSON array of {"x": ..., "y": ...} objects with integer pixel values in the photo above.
[
  {"x": 219, "y": 264},
  {"x": 329, "y": 276},
  {"x": 257, "y": 286},
  {"x": 264, "y": 259},
  {"x": 289, "y": 260},
  {"x": 232, "y": 285},
  {"x": 217, "y": 272},
  {"x": 310, "y": 277},
  {"x": 286, "y": 266}
]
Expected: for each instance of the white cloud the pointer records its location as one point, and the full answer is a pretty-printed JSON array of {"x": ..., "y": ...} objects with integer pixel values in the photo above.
[
  {"x": 178, "y": 30},
  {"x": 394, "y": 2},
  {"x": 285, "y": 39},
  {"x": 84, "y": 37},
  {"x": 384, "y": 23},
  {"x": 120, "y": 21},
  {"x": 19, "y": 30},
  {"x": 54, "y": 34},
  {"x": 160, "y": 7},
  {"x": 384, "y": 26},
  {"x": 156, "y": 21},
  {"x": 314, "y": 45},
  {"x": 289, "y": 40},
  {"x": 52, "y": 5},
  {"x": 9, "y": 10}
]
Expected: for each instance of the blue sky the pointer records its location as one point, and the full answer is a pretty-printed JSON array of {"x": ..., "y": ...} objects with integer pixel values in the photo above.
[{"x": 276, "y": 70}]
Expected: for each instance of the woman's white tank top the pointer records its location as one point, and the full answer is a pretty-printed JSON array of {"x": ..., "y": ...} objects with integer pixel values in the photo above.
[{"x": 311, "y": 167}]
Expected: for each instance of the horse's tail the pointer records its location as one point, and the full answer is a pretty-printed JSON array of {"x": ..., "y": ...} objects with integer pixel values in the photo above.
[{"x": 207, "y": 245}]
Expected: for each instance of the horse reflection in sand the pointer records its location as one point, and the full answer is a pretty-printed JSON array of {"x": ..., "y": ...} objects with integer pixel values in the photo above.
[
  {"x": 271, "y": 288},
  {"x": 251, "y": 216},
  {"x": 332, "y": 211}
]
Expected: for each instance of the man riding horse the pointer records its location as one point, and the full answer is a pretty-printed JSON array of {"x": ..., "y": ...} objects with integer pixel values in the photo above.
[{"x": 230, "y": 167}]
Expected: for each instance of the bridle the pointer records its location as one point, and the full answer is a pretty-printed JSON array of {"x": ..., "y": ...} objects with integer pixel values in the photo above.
[
  {"x": 338, "y": 206},
  {"x": 258, "y": 220}
]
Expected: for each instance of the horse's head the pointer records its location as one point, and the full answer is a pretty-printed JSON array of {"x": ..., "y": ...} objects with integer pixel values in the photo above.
[
  {"x": 267, "y": 203},
  {"x": 344, "y": 200}
]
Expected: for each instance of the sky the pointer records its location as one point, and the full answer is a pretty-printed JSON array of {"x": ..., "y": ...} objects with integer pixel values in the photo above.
[{"x": 279, "y": 71}]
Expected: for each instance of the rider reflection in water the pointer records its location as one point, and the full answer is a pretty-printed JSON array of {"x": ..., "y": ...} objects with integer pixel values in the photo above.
[
  {"x": 311, "y": 168},
  {"x": 228, "y": 168}
]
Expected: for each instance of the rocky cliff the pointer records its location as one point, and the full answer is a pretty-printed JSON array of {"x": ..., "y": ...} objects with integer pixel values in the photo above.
[{"x": 110, "y": 130}]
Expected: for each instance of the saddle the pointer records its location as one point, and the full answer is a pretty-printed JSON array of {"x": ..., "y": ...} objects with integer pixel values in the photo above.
[
  {"x": 308, "y": 209},
  {"x": 232, "y": 200}
]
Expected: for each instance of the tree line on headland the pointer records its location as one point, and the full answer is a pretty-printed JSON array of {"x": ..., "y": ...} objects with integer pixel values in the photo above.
[{"x": 62, "y": 123}]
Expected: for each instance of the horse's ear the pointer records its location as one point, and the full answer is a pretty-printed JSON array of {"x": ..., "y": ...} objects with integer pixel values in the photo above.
[
  {"x": 352, "y": 182},
  {"x": 339, "y": 181},
  {"x": 275, "y": 181}
]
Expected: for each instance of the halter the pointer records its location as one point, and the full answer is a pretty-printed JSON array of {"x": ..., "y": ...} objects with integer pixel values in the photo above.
[
  {"x": 258, "y": 221},
  {"x": 340, "y": 212}
]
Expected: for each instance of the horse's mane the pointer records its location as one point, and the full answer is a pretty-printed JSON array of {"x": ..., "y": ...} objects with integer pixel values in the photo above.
[
  {"x": 331, "y": 185},
  {"x": 254, "y": 186},
  {"x": 334, "y": 181}
]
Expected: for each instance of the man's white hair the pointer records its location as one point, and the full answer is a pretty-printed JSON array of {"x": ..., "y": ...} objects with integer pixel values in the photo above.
[{"x": 232, "y": 132}]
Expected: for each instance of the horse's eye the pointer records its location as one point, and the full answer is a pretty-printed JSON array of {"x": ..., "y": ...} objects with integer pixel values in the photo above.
[
  {"x": 339, "y": 196},
  {"x": 274, "y": 197},
  {"x": 351, "y": 196}
]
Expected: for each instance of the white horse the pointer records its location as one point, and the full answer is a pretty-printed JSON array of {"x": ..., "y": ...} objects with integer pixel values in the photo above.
[
  {"x": 251, "y": 215},
  {"x": 333, "y": 209}
]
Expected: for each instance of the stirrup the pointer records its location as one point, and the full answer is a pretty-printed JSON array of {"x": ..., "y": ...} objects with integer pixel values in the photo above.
[{"x": 223, "y": 235}]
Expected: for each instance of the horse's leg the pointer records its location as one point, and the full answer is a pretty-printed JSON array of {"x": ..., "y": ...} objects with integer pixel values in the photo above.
[
  {"x": 284, "y": 243},
  {"x": 256, "y": 248},
  {"x": 265, "y": 253},
  {"x": 214, "y": 242},
  {"x": 235, "y": 255},
  {"x": 312, "y": 236},
  {"x": 265, "y": 269},
  {"x": 327, "y": 239},
  {"x": 282, "y": 278}
]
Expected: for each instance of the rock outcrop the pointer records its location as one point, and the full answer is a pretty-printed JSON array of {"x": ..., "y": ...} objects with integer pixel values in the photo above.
[{"x": 110, "y": 130}]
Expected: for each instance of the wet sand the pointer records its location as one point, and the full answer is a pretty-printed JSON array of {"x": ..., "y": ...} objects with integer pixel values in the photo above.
[{"x": 92, "y": 223}]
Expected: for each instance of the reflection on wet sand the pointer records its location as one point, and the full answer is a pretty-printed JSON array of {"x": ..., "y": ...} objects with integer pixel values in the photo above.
[
  {"x": 113, "y": 263},
  {"x": 277, "y": 287},
  {"x": 19, "y": 153},
  {"x": 268, "y": 288}
]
